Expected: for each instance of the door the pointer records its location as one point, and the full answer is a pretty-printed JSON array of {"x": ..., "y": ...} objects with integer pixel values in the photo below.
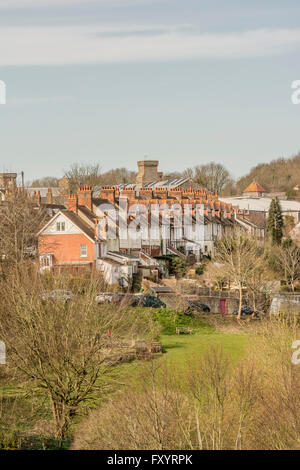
[{"x": 222, "y": 306}]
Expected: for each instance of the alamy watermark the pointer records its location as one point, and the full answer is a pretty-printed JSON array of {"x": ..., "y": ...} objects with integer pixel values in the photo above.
[
  {"x": 295, "y": 96},
  {"x": 2, "y": 92},
  {"x": 2, "y": 353},
  {"x": 296, "y": 353},
  {"x": 152, "y": 222}
]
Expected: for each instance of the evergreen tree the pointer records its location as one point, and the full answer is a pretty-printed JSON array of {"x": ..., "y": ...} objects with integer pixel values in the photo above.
[{"x": 275, "y": 222}]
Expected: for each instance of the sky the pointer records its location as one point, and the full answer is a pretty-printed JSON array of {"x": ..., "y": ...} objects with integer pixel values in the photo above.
[{"x": 184, "y": 82}]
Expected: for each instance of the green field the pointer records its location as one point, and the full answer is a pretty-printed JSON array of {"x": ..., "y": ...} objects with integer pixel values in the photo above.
[
  {"x": 23, "y": 409},
  {"x": 180, "y": 348}
]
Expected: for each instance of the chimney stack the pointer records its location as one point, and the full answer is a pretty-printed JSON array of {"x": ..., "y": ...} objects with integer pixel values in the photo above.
[
  {"x": 147, "y": 172},
  {"x": 49, "y": 197},
  {"x": 85, "y": 197},
  {"x": 108, "y": 192},
  {"x": 73, "y": 203}
]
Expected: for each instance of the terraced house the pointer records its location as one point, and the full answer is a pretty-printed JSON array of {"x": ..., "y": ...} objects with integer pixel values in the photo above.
[{"x": 111, "y": 227}]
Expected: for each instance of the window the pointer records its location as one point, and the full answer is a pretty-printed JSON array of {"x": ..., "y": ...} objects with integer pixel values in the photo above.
[
  {"x": 45, "y": 261},
  {"x": 83, "y": 250},
  {"x": 60, "y": 226}
]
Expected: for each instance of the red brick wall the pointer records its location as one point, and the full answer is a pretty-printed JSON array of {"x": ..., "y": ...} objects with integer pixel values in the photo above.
[{"x": 66, "y": 248}]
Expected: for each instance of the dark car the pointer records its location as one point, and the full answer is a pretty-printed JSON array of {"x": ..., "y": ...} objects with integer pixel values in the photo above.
[
  {"x": 196, "y": 306},
  {"x": 245, "y": 310},
  {"x": 147, "y": 301}
]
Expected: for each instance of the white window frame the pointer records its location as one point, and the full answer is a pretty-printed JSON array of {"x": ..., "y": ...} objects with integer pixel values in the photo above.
[
  {"x": 46, "y": 262},
  {"x": 60, "y": 226},
  {"x": 83, "y": 255}
]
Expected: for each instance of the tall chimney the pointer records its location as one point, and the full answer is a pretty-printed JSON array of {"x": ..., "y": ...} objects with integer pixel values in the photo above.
[
  {"x": 85, "y": 197},
  {"x": 73, "y": 203},
  {"x": 49, "y": 197},
  {"x": 148, "y": 172}
]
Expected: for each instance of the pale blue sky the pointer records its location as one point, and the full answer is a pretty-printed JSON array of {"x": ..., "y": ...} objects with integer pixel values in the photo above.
[{"x": 182, "y": 81}]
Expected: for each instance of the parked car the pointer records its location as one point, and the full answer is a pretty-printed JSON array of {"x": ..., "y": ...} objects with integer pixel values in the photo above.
[
  {"x": 30, "y": 251},
  {"x": 196, "y": 306},
  {"x": 108, "y": 298},
  {"x": 147, "y": 301},
  {"x": 104, "y": 298},
  {"x": 58, "y": 294},
  {"x": 245, "y": 310}
]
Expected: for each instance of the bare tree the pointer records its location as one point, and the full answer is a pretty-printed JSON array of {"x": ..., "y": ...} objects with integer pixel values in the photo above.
[
  {"x": 239, "y": 255},
  {"x": 286, "y": 259},
  {"x": 258, "y": 283},
  {"x": 90, "y": 175},
  {"x": 20, "y": 220},
  {"x": 118, "y": 176},
  {"x": 83, "y": 175},
  {"x": 46, "y": 182},
  {"x": 147, "y": 417},
  {"x": 212, "y": 176},
  {"x": 63, "y": 347}
]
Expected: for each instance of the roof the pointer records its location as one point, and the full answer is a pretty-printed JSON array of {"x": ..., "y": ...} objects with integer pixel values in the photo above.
[
  {"x": 75, "y": 219},
  {"x": 113, "y": 262},
  {"x": 172, "y": 183},
  {"x": 55, "y": 206},
  {"x": 162, "y": 289},
  {"x": 175, "y": 252},
  {"x": 167, "y": 184},
  {"x": 43, "y": 191},
  {"x": 80, "y": 224},
  {"x": 121, "y": 255},
  {"x": 260, "y": 204},
  {"x": 254, "y": 187},
  {"x": 87, "y": 213},
  {"x": 98, "y": 200}
]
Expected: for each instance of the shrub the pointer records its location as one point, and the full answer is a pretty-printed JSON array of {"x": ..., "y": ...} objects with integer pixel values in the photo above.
[{"x": 200, "y": 270}]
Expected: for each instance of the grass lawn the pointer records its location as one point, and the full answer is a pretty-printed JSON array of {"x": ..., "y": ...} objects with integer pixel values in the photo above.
[{"x": 181, "y": 347}]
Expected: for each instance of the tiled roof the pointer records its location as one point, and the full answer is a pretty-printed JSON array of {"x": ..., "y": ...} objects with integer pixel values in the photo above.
[
  {"x": 122, "y": 255},
  {"x": 254, "y": 187},
  {"x": 44, "y": 191},
  {"x": 80, "y": 224},
  {"x": 87, "y": 213}
]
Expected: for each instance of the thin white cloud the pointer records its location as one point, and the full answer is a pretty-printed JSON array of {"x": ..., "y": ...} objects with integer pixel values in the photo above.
[
  {"x": 40, "y": 100},
  {"x": 12, "y": 4},
  {"x": 88, "y": 44}
]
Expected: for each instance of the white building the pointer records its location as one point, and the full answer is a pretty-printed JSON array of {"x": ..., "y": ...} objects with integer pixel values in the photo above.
[
  {"x": 118, "y": 268},
  {"x": 262, "y": 204}
]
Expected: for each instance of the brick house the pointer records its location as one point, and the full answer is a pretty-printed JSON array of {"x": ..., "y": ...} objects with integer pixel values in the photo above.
[
  {"x": 66, "y": 241},
  {"x": 69, "y": 241}
]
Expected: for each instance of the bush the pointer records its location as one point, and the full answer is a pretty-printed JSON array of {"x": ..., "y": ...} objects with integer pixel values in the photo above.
[
  {"x": 178, "y": 266},
  {"x": 291, "y": 193},
  {"x": 170, "y": 319},
  {"x": 200, "y": 270},
  {"x": 146, "y": 420}
]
